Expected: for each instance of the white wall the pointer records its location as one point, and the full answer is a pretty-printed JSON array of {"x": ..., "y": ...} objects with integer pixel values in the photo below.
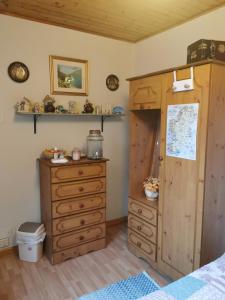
[
  {"x": 32, "y": 43},
  {"x": 169, "y": 49}
]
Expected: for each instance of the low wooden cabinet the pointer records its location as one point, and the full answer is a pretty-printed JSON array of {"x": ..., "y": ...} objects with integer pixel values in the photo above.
[
  {"x": 184, "y": 229},
  {"x": 73, "y": 203},
  {"x": 142, "y": 229}
]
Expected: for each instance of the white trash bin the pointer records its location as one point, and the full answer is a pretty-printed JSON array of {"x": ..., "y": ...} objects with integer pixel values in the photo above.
[{"x": 30, "y": 237}]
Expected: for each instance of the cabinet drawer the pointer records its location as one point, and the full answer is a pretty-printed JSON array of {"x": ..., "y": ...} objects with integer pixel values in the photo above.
[
  {"x": 147, "y": 213},
  {"x": 146, "y": 93},
  {"x": 77, "y": 251},
  {"x": 75, "y": 222},
  {"x": 147, "y": 247},
  {"x": 78, "y": 188},
  {"x": 78, "y": 237},
  {"x": 77, "y": 205},
  {"x": 78, "y": 172},
  {"x": 148, "y": 231}
]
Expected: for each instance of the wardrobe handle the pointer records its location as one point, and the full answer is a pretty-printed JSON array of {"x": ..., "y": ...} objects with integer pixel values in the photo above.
[
  {"x": 139, "y": 228},
  {"x": 139, "y": 210},
  {"x": 82, "y": 222},
  {"x": 160, "y": 158},
  {"x": 139, "y": 244}
]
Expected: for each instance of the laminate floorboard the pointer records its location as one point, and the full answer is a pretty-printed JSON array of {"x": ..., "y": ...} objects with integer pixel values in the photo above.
[{"x": 67, "y": 281}]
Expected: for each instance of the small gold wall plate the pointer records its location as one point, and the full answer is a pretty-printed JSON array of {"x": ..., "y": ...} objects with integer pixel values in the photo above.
[
  {"x": 18, "y": 71},
  {"x": 112, "y": 82}
]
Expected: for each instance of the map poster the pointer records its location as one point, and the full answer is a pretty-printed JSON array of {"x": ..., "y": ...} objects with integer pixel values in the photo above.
[{"x": 181, "y": 133}]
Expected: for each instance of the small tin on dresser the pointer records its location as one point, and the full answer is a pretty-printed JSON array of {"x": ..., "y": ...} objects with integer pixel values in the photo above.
[{"x": 206, "y": 49}]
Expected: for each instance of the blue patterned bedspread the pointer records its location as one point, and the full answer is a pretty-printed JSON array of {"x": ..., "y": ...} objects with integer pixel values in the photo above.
[{"x": 207, "y": 283}]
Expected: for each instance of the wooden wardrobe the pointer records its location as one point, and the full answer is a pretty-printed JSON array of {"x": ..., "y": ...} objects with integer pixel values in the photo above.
[{"x": 184, "y": 228}]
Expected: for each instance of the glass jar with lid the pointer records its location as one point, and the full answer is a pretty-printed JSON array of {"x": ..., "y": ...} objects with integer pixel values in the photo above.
[{"x": 94, "y": 144}]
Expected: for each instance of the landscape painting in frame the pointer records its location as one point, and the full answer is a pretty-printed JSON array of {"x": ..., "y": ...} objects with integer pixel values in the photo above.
[{"x": 68, "y": 76}]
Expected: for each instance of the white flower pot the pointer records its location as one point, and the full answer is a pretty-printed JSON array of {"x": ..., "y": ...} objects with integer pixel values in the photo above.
[{"x": 152, "y": 196}]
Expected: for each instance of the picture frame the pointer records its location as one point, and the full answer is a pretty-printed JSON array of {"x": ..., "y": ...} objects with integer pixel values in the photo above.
[{"x": 68, "y": 76}]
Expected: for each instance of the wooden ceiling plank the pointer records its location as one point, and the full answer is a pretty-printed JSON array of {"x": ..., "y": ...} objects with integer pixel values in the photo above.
[{"x": 127, "y": 19}]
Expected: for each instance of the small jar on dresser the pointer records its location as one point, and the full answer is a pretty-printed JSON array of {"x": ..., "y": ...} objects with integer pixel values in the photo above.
[{"x": 73, "y": 205}]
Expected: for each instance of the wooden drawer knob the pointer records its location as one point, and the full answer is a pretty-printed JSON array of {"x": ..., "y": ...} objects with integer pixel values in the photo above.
[
  {"x": 80, "y": 172},
  {"x": 81, "y": 205},
  {"x": 139, "y": 228},
  {"x": 81, "y": 189},
  {"x": 139, "y": 210},
  {"x": 160, "y": 158},
  {"x": 139, "y": 244},
  {"x": 81, "y": 238},
  {"x": 82, "y": 222}
]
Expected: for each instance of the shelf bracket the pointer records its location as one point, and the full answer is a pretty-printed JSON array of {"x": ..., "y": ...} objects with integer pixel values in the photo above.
[
  {"x": 102, "y": 123},
  {"x": 35, "y": 117}
]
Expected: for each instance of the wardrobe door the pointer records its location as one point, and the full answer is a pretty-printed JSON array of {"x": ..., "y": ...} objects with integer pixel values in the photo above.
[{"x": 181, "y": 188}]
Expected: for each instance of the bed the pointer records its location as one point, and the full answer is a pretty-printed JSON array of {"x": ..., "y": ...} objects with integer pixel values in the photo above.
[{"x": 206, "y": 283}]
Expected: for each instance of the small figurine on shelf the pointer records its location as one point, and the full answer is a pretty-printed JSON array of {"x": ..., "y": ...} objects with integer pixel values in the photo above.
[
  {"x": 24, "y": 105},
  {"x": 17, "y": 106},
  {"x": 98, "y": 109},
  {"x": 88, "y": 108},
  {"x": 49, "y": 104},
  {"x": 73, "y": 107},
  {"x": 36, "y": 108},
  {"x": 59, "y": 109},
  {"x": 118, "y": 110}
]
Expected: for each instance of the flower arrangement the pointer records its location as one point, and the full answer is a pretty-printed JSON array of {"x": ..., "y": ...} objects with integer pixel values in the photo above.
[
  {"x": 151, "y": 184},
  {"x": 151, "y": 187}
]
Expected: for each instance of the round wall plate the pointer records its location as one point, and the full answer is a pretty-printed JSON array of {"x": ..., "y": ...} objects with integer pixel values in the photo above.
[
  {"x": 18, "y": 71},
  {"x": 112, "y": 82}
]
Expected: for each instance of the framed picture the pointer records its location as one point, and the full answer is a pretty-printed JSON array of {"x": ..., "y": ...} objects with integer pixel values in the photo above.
[{"x": 68, "y": 76}]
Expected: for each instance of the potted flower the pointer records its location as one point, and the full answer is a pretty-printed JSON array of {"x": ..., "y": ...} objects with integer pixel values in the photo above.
[{"x": 151, "y": 187}]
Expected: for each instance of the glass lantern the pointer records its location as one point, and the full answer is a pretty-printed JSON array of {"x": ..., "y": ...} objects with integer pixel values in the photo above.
[{"x": 94, "y": 144}]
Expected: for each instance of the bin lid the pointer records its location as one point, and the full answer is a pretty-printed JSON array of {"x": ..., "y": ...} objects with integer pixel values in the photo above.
[{"x": 30, "y": 227}]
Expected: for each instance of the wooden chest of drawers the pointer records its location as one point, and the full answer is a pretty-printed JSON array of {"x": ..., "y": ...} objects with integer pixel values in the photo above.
[{"x": 73, "y": 203}]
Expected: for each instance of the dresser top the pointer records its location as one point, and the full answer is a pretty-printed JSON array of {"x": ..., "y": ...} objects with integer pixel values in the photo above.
[{"x": 71, "y": 162}]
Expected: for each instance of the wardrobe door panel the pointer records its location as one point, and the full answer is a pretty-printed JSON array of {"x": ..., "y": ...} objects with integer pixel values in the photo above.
[{"x": 181, "y": 183}]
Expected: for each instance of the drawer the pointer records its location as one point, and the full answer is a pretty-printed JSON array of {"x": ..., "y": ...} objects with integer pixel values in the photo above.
[
  {"x": 147, "y": 230},
  {"x": 78, "y": 237},
  {"x": 146, "y": 93},
  {"x": 77, "y": 251},
  {"x": 75, "y": 222},
  {"x": 77, "y": 188},
  {"x": 77, "y": 205},
  {"x": 77, "y": 172},
  {"x": 147, "y": 213},
  {"x": 147, "y": 247}
]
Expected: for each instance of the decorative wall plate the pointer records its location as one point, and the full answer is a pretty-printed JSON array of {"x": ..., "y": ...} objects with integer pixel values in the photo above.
[
  {"x": 112, "y": 82},
  {"x": 18, "y": 71}
]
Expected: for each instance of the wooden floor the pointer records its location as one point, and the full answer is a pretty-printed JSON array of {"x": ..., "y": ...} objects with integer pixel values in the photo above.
[{"x": 73, "y": 278}]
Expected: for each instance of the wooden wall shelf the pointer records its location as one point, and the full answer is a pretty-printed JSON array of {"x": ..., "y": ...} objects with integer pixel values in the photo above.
[{"x": 37, "y": 115}]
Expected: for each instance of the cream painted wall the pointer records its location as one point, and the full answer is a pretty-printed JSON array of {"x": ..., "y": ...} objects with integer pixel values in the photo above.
[
  {"x": 32, "y": 43},
  {"x": 169, "y": 49}
]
